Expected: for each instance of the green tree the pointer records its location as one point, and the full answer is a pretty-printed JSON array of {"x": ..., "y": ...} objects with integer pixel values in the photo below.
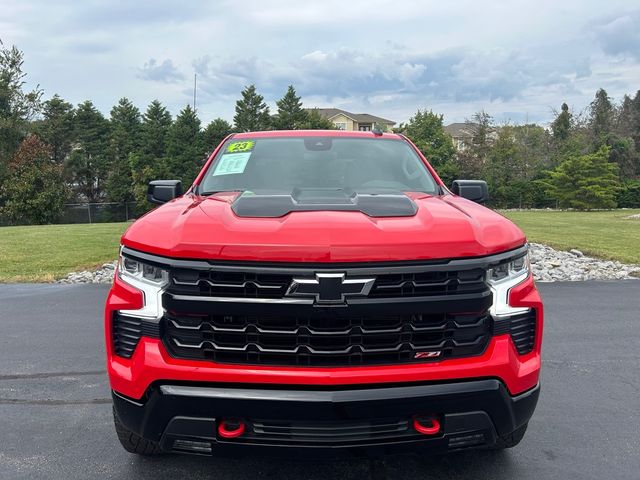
[
  {"x": 482, "y": 128},
  {"x": 629, "y": 194},
  {"x": 601, "y": 117},
  {"x": 584, "y": 182},
  {"x": 215, "y": 132},
  {"x": 185, "y": 147},
  {"x": 426, "y": 131},
  {"x": 503, "y": 166},
  {"x": 124, "y": 140},
  {"x": 561, "y": 126},
  {"x": 252, "y": 114},
  {"x": 57, "y": 127},
  {"x": 88, "y": 166},
  {"x": 291, "y": 115},
  {"x": 17, "y": 107},
  {"x": 149, "y": 162},
  {"x": 315, "y": 121},
  {"x": 34, "y": 192},
  {"x": 622, "y": 151},
  {"x": 625, "y": 114},
  {"x": 635, "y": 120}
]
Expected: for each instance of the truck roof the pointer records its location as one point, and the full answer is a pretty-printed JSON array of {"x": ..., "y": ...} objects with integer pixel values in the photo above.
[{"x": 313, "y": 133}]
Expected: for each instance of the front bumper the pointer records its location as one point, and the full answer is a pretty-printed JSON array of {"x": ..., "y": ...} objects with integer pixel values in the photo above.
[{"x": 185, "y": 417}]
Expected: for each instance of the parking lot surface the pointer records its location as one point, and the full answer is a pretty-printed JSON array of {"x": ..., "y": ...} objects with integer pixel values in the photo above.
[{"x": 55, "y": 408}]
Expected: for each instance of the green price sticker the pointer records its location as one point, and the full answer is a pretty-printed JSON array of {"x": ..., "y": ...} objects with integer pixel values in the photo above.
[{"x": 237, "y": 147}]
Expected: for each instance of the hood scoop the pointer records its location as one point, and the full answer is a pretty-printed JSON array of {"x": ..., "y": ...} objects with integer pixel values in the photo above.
[{"x": 274, "y": 205}]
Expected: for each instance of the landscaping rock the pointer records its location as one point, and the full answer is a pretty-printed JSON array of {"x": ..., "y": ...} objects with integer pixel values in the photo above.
[
  {"x": 550, "y": 265},
  {"x": 103, "y": 275}
]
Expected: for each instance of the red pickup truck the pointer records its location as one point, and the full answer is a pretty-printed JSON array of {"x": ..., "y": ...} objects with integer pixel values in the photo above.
[{"x": 322, "y": 291}]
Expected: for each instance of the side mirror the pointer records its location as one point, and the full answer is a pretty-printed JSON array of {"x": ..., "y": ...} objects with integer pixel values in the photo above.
[
  {"x": 161, "y": 191},
  {"x": 474, "y": 190}
]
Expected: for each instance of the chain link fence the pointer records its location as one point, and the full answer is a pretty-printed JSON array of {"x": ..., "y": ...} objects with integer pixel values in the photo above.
[{"x": 99, "y": 212}]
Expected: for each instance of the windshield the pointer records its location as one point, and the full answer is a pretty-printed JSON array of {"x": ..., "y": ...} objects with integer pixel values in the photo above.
[{"x": 282, "y": 164}]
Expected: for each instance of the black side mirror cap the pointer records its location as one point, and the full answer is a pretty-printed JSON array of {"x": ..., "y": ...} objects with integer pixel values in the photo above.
[
  {"x": 161, "y": 191},
  {"x": 474, "y": 190}
]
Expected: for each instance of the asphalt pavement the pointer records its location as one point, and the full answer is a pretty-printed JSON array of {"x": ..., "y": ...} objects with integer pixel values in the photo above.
[{"x": 55, "y": 408}]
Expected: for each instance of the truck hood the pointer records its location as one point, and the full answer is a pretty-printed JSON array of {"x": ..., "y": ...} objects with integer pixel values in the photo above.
[{"x": 443, "y": 227}]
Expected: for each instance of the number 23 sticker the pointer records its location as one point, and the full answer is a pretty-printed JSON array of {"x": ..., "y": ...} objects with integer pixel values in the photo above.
[{"x": 237, "y": 147}]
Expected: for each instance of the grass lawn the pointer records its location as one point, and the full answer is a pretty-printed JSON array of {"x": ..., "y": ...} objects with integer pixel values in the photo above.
[
  {"x": 44, "y": 253},
  {"x": 610, "y": 235}
]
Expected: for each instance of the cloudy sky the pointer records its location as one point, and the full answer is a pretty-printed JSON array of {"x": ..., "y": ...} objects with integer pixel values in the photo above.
[{"x": 515, "y": 59}]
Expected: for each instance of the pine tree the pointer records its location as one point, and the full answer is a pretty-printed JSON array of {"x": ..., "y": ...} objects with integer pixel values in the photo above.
[
  {"x": 624, "y": 117},
  {"x": 635, "y": 119},
  {"x": 252, "y": 114},
  {"x": 88, "y": 164},
  {"x": 584, "y": 182},
  {"x": 125, "y": 138},
  {"x": 185, "y": 147},
  {"x": 155, "y": 128},
  {"x": 57, "y": 127},
  {"x": 291, "y": 115},
  {"x": 215, "y": 132},
  {"x": 149, "y": 162},
  {"x": 561, "y": 126},
  {"x": 601, "y": 114}
]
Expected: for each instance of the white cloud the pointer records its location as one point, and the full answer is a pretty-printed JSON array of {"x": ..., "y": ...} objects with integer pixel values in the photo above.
[{"x": 510, "y": 58}]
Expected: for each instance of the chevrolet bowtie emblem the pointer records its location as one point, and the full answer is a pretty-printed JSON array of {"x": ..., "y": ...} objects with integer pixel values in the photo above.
[{"x": 327, "y": 288}]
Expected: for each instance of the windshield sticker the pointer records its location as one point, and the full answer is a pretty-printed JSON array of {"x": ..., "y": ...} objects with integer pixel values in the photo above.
[
  {"x": 244, "y": 146},
  {"x": 232, "y": 163}
]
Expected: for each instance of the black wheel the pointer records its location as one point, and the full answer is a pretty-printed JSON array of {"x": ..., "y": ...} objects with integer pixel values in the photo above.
[
  {"x": 511, "y": 440},
  {"x": 132, "y": 442}
]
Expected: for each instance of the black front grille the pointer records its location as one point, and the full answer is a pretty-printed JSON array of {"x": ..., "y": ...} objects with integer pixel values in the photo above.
[
  {"x": 334, "y": 339},
  {"x": 214, "y": 283},
  {"x": 256, "y": 284},
  {"x": 126, "y": 332},
  {"x": 414, "y": 284}
]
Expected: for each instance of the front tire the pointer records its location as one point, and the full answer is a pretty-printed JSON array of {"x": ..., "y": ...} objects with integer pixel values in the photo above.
[{"x": 132, "y": 442}]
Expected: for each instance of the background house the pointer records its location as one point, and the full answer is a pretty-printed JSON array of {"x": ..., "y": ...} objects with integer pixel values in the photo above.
[
  {"x": 363, "y": 122},
  {"x": 462, "y": 134}
]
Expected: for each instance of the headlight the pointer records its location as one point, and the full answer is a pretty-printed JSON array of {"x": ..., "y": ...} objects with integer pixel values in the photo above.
[
  {"x": 147, "y": 278},
  {"x": 501, "y": 278}
]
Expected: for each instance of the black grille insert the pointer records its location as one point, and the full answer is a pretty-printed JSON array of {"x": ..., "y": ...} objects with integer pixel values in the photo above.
[
  {"x": 256, "y": 284},
  {"x": 329, "y": 433},
  {"x": 333, "y": 340}
]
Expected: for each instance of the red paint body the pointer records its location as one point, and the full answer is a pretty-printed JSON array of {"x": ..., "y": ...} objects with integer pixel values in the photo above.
[{"x": 206, "y": 228}]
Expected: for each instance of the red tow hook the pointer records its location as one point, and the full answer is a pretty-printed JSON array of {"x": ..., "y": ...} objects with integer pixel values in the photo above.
[
  {"x": 231, "y": 428},
  {"x": 426, "y": 426}
]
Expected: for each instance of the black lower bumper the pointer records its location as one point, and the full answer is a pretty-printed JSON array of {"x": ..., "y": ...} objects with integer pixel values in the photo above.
[{"x": 185, "y": 418}]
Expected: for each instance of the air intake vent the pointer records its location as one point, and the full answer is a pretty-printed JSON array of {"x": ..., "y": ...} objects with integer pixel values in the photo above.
[
  {"x": 126, "y": 332},
  {"x": 522, "y": 329}
]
